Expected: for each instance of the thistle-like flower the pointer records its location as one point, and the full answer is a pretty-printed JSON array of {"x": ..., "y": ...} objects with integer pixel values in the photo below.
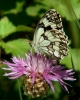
[{"x": 40, "y": 71}]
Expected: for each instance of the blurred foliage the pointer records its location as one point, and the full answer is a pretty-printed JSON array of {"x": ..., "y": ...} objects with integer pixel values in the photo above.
[
  {"x": 18, "y": 20},
  {"x": 75, "y": 54}
]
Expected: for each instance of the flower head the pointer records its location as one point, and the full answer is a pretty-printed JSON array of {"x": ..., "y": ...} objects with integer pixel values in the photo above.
[{"x": 40, "y": 71}]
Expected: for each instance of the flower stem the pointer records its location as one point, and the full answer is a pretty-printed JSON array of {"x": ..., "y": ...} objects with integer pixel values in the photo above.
[
  {"x": 74, "y": 25},
  {"x": 19, "y": 89}
]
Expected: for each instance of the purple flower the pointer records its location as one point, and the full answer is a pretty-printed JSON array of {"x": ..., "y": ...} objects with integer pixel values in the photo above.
[
  {"x": 17, "y": 68},
  {"x": 39, "y": 68}
]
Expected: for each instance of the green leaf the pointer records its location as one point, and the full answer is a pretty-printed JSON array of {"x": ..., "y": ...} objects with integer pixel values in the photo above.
[
  {"x": 17, "y": 47},
  {"x": 59, "y": 6},
  {"x": 76, "y": 7},
  {"x": 49, "y": 3},
  {"x": 24, "y": 28},
  {"x": 75, "y": 54},
  {"x": 62, "y": 7},
  {"x": 67, "y": 60},
  {"x": 34, "y": 10},
  {"x": 17, "y": 9},
  {"x": 6, "y": 27}
]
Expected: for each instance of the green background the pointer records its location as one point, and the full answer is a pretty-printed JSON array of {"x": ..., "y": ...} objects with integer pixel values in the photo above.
[{"x": 18, "y": 20}]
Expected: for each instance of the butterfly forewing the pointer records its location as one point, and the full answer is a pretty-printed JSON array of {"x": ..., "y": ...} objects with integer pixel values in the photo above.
[
  {"x": 49, "y": 37},
  {"x": 52, "y": 20}
]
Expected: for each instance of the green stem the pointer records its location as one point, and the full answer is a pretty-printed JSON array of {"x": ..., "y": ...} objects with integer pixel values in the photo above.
[
  {"x": 74, "y": 25},
  {"x": 20, "y": 95}
]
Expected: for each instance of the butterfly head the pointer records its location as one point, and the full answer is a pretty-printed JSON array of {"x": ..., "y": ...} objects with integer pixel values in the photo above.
[{"x": 30, "y": 42}]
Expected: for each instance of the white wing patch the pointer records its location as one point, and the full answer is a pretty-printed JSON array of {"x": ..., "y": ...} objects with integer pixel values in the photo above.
[
  {"x": 47, "y": 23},
  {"x": 49, "y": 37},
  {"x": 45, "y": 43}
]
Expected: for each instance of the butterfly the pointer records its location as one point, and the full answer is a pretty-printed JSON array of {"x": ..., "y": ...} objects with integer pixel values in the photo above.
[{"x": 49, "y": 37}]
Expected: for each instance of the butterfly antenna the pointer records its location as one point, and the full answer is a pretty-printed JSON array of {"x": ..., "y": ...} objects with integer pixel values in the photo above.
[
  {"x": 28, "y": 40},
  {"x": 27, "y": 37}
]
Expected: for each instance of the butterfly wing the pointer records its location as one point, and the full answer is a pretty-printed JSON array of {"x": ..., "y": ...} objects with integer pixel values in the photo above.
[{"x": 49, "y": 37}]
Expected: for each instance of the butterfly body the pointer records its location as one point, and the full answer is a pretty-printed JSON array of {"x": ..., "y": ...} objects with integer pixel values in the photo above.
[{"x": 49, "y": 37}]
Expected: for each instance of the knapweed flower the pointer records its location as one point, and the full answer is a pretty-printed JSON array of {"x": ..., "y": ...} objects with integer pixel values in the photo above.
[{"x": 40, "y": 71}]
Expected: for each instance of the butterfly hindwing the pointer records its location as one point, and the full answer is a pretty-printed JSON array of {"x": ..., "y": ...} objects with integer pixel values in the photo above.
[{"x": 49, "y": 37}]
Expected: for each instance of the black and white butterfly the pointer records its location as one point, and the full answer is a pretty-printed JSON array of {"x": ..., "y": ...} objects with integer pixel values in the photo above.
[{"x": 49, "y": 38}]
